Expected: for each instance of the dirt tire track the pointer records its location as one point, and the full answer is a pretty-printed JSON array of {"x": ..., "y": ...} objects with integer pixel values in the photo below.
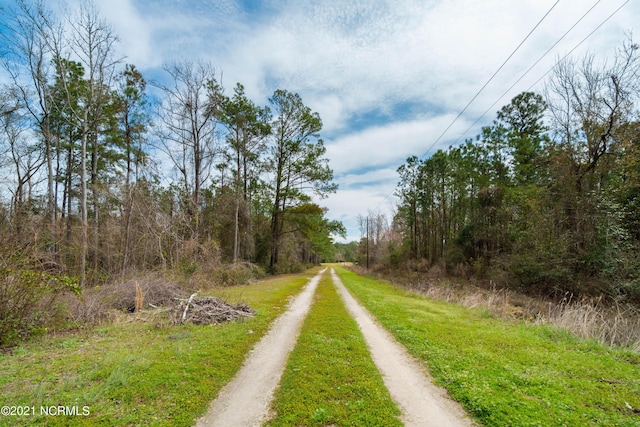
[
  {"x": 245, "y": 400},
  {"x": 422, "y": 403}
]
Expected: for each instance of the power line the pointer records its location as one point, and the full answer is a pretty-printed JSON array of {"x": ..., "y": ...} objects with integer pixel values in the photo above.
[
  {"x": 490, "y": 79},
  {"x": 484, "y": 86},
  {"x": 545, "y": 54},
  {"x": 529, "y": 70},
  {"x": 582, "y": 41}
]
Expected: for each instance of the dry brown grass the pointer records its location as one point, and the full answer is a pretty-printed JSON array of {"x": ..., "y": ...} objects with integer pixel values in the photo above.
[
  {"x": 104, "y": 303},
  {"x": 149, "y": 291},
  {"x": 604, "y": 320},
  {"x": 610, "y": 323}
]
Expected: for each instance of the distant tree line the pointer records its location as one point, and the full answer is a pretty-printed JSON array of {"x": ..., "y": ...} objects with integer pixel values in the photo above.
[
  {"x": 545, "y": 199},
  {"x": 98, "y": 178}
]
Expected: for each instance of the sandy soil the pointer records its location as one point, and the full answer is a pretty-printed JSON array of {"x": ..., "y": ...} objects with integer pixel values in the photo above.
[
  {"x": 245, "y": 400},
  {"x": 421, "y": 402}
]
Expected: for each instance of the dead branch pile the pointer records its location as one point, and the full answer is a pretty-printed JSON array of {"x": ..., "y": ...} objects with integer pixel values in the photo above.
[{"x": 209, "y": 310}]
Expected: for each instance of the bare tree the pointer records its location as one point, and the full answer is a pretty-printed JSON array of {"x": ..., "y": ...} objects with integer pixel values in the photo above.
[
  {"x": 590, "y": 103},
  {"x": 378, "y": 230},
  {"x": 92, "y": 44},
  {"x": 24, "y": 155},
  {"x": 187, "y": 128},
  {"x": 31, "y": 39}
]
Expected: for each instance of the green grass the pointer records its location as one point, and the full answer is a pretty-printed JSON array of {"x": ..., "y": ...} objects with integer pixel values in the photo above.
[
  {"x": 330, "y": 378},
  {"x": 137, "y": 373},
  {"x": 508, "y": 374}
]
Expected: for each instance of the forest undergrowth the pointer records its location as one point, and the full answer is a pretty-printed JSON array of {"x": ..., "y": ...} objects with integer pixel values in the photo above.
[{"x": 45, "y": 304}]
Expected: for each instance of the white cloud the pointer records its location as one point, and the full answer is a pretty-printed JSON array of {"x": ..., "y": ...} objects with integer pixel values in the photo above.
[
  {"x": 332, "y": 110},
  {"x": 373, "y": 52},
  {"x": 381, "y": 146},
  {"x": 371, "y": 177},
  {"x": 347, "y": 57},
  {"x": 132, "y": 29},
  {"x": 347, "y": 204}
]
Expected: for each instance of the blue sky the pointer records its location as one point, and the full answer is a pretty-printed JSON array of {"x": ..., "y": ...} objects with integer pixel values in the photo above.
[{"x": 387, "y": 77}]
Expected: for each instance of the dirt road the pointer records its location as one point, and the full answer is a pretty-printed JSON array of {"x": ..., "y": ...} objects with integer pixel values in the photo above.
[
  {"x": 422, "y": 403},
  {"x": 245, "y": 400}
]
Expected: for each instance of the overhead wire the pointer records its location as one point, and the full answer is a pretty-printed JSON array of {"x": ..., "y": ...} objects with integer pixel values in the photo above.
[
  {"x": 484, "y": 86},
  {"x": 490, "y": 79},
  {"x": 580, "y": 43},
  {"x": 526, "y": 72},
  {"x": 543, "y": 55}
]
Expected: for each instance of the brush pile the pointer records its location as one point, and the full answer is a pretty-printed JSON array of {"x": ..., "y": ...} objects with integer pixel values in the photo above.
[{"x": 209, "y": 310}]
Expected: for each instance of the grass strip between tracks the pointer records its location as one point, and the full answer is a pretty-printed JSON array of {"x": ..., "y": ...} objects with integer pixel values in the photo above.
[
  {"x": 330, "y": 378},
  {"x": 137, "y": 373},
  {"x": 508, "y": 373}
]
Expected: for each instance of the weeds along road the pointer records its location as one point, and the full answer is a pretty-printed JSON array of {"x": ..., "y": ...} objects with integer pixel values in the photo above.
[{"x": 245, "y": 401}]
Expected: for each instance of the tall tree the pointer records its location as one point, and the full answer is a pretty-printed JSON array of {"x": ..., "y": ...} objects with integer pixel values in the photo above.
[
  {"x": 67, "y": 92},
  {"x": 526, "y": 133},
  {"x": 187, "y": 128},
  {"x": 129, "y": 123},
  {"x": 31, "y": 41},
  {"x": 590, "y": 103},
  {"x": 409, "y": 192},
  {"x": 297, "y": 161},
  {"x": 247, "y": 126},
  {"x": 92, "y": 41}
]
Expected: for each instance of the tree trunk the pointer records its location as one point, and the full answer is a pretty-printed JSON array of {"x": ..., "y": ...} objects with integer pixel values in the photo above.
[
  {"x": 51, "y": 205},
  {"x": 83, "y": 203},
  {"x": 129, "y": 199},
  {"x": 68, "y": 193},
  {"x": 236, "y": 230},
  {"x": 96, "y": 210},
  {"x": 275, "y": 237}
]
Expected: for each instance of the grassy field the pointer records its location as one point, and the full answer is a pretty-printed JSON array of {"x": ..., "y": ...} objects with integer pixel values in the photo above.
[
  {"x": 330, "y": 378},
  {"x": 508, "y": 374},
  {"x": 138, "y": 373},
  {"x": 145, "y": 373}
]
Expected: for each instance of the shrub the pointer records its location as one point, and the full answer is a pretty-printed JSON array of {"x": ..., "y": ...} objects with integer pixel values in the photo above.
[
  {"x": 237, "y": 274},
  {"x": 28, "y": 302}
]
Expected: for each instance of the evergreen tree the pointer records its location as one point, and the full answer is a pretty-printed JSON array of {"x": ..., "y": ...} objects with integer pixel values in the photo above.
[{"x": 297, "y": 161}]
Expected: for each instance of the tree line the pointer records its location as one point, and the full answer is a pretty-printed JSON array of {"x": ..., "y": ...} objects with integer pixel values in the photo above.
[
  {"x": 546, "y": 198},
  {"x": 102, "y": 179}
]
